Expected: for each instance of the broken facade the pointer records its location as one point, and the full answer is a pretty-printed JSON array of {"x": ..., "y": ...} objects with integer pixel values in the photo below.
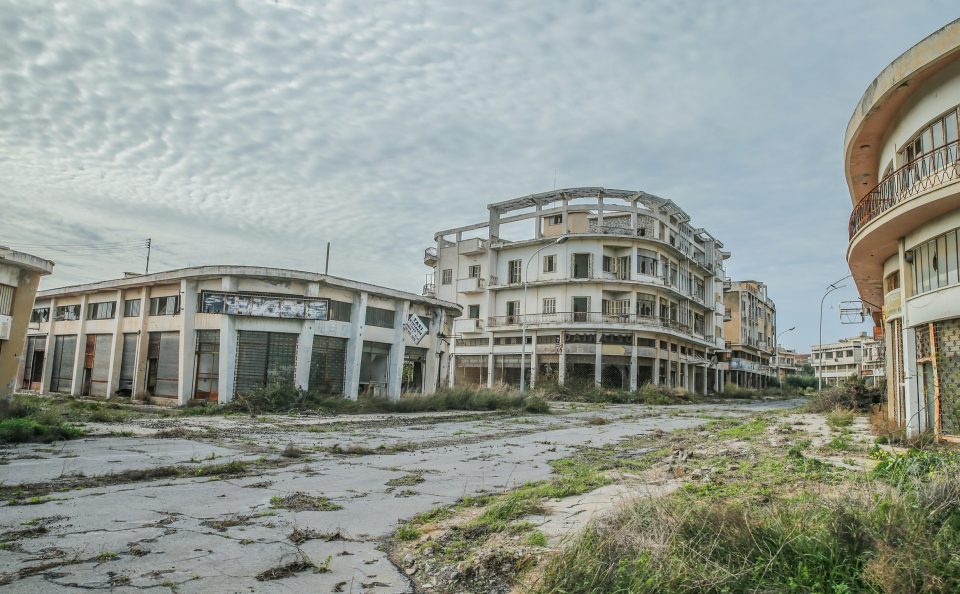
[{"x": 19, "y": 278}]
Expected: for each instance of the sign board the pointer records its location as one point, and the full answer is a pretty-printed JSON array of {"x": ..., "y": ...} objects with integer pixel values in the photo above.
[
  {"x": 6, "y": 327},
  {"x": 415, "y": 328},
  {"x": 238, "y": 304}
]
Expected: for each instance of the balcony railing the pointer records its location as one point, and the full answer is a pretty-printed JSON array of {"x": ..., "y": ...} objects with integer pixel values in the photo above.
[
  {"x": 430, "y": 255},
  {"x": 577, "y": 317},
  {"x": 923, "y": 173},
  {"x": 429, "y": 290}
]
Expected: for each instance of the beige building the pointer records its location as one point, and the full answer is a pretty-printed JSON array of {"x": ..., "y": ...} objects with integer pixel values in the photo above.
[
  {"x": 211, "y": 332},
  {"x": 901, "y": 163},
  {"x": 19, "y": 278},
  {"x": 857, "y": 356},
  {"x": 786, "y": 362},
  {"x": 750, "y": 328},
  {"x": 621, "y": 289}
]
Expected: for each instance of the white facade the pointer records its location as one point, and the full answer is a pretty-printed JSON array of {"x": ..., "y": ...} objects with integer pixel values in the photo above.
[
  {"x": 633, "y": 294},
  {"x": 902, "y": 152},
  {"x": 211, "y": 332},
  {"x": 857, "y": 356}
]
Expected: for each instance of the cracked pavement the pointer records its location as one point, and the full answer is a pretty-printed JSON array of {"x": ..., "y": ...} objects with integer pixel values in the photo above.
[{"x": 214, "y": 534}]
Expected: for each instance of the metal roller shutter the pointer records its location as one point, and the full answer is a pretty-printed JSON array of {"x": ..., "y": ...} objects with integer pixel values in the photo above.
[
  {"x": 128, "y": 362},
  {"x": 100, "y": 372},
  {"x": 164, "y": 364},
  {"x": 328, "y": 364},
  {"x": 64, "y": 351},
  {"x": 265, "y": 358}
]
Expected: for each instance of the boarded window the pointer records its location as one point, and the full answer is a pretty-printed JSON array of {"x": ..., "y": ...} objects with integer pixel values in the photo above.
[
  {"x": 328, "y": 364},
  {"x": 264, "y": 359},
  {"x": 163, "y": 364},
  {"x": 377, "y": 316},
  {"x": 64, "y": 351}
]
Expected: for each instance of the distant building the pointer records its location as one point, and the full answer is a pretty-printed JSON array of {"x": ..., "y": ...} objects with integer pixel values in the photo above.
[
  {"x": 19, "y": 278},
  {"x": 786, "y": 362},
  {"x": 750, "y": 328},
  {"x": 632, "y": 295},
  {"x": 857, "y": 356},
  {"x": 211, "y": 332},
  {"x": 902, "y": 167}
]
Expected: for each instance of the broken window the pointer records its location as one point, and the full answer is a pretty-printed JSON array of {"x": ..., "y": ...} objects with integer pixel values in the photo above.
[
  {"x": 165, "y": 306},
  {"x": 131, "y": 308},
  {"x": 68, "y": 312},
  {"x": 40, "y": 315},
  {"x": 103, "y": 310}
]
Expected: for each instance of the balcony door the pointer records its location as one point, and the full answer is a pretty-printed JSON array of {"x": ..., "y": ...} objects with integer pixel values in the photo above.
[{"x": 581, "y": 309}]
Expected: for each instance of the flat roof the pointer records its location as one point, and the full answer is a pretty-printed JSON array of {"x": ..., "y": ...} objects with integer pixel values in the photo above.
[
  {"x": 24, "y": 260},
  {"x": 200, "y": 272}
]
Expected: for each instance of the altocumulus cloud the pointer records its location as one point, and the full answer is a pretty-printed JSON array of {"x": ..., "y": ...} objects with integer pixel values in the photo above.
[{"x": 254, "y": 132}]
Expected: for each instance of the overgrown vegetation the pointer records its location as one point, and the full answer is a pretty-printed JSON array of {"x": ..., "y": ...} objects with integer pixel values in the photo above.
[
  {"x": 22, "y": 422},
  {"x": 586, "y": 391},
  {"x": 851, "y": 394},
  {"x": 284, "y": 399}
]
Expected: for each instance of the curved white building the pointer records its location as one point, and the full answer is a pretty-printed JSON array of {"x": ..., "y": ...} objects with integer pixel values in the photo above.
[
  {"x": 210, "y": 332},
  {"x": 900, "y": 159},
  {"x": 633, "y": 293}
]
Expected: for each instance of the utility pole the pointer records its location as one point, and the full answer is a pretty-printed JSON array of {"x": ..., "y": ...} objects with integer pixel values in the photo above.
[
  {"x": 326, "y": 267},
  {"x": 830, "y": 289},
  {"x": 147, "y": 269}
]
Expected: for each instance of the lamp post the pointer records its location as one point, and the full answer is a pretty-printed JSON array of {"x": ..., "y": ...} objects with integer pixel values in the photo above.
[
  {"x": 830, "y": 289},
  {"x": 776, "y": 355},
  {"x": 523, "y": 315}
]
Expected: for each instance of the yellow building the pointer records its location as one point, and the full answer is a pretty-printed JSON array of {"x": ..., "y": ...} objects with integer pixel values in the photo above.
[
  {"x": 901, "y": 166},
  {"x": 19, "y": 277},
  {"x": 750, "y": 327}
]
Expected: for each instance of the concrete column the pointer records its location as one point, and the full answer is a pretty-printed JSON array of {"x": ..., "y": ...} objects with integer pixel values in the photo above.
[
  {"x": 47, "y": 375},
  {"x": 397, "y": 350},
  {"x": 188, "y": 340},
  {"x": 76, "y": 386},
  {"x": 598, "y": 361},
  {"x": 538, "y": 230},
  {"x": 599, "y": 212},
  {"x": 116, "y": 352},
  {"x": 358, "y": 317},
  {"x": 533, "y": 359},
  {"x": 452, "y": 370},
  {"x": 433, "y": 366},
  {"x": 227, "y": 369},
  {"x": 706, "y": 380},
  {"x": 656, "y": 364},
  {"x": 562, "y": 361},
  {"x": 722, "y": 379},
  {"x": 564, "y": 213},
  {"x": 490, "y": 360},
  {"x": 633, "y": 221},
  {"x": 633, "y": 363},
  {"x": 301, "y": 375},
  {"x": 140, "y": 370}
]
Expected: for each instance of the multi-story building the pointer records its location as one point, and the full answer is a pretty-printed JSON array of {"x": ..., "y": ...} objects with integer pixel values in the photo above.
[
  {"x": 612, "y": 287},
  {"x": 210, "y": 332},
  {"x": 19, "y": 278},
  {"x": 901, "y": 164},
  {"x": 750, "y": 328},
  {"x": 786, "y": 362},
  {"x": 857, "y": 356}
]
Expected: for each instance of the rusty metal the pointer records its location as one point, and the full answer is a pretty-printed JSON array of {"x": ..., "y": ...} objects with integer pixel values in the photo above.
[{"x": 925, "y": 172}]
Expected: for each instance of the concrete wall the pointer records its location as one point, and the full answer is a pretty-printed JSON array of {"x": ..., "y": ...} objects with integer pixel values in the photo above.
[{"x": 25, "y": 281}]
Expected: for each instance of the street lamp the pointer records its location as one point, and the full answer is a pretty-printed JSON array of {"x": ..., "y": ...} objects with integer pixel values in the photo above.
[
  {"x": 830, "y": 289},
  {"x": 523, "y": 315},
  {"x": 776, "y": 355}
]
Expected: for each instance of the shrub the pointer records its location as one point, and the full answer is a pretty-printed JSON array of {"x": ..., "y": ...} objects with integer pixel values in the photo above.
[
  {"x": 584, "y": 391},
  {"x": 852, "y": 393},
  {"x": 21, "y": 430}
]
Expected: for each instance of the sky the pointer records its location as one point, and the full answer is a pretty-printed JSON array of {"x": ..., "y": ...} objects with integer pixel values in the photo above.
[{"x": 254, "y": 132}]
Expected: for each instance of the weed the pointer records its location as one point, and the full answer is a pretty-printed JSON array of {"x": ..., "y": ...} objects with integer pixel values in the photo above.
[
  {"x": 536, "y": 539},
  {"x": 406, "y": 480},
  {"x": 406, "y": 532},
  {"x": 107, "y": 556},
  {"x": 840, "y": 418},
  {"x": 300, "y": 501}
]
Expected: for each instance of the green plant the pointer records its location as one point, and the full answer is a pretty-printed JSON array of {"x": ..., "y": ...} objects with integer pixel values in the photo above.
[
  {"x": 536, "y": 538},
  {"x": 405, "y": 532}
]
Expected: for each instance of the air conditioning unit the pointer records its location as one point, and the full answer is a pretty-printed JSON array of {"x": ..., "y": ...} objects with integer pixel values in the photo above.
[{"x": 6, "y": 327}]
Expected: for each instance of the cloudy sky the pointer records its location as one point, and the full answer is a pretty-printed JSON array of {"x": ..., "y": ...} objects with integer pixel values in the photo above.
[{"x": 253, "y": 132}]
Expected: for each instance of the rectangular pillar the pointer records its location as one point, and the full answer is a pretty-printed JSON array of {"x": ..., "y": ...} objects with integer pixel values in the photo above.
[
  {"x": 633, "y": 362},
  {"x": 598, "y": 361},
  {"x": 76, "y": 385},
  {"x": 140, "y": 369},
  {"x": 397, "y": 352},
  {"x": 46, "y": 375},
  {"x": 116, "y": 351},
  {"x": 358, "y": 317},
  {"x": 188, "y": 340},
  {"x": 562, "y": 362}
]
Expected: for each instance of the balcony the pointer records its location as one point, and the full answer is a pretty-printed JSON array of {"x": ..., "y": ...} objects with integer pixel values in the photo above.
[
  {"x": 593, "y": 319},
  {"x": 929, "y": 171},
  {"x": 472, "y": 247},
  {"x": 470, "y": 285},
  {"x": 430, "y": 256},
  {"x": 429, "y": 290},
  {"x": 467, "y": 325}
]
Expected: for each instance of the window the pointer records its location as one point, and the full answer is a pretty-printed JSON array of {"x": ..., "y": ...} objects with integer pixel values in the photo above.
[
  {"x": 550, "y": 263},
  {"x": 68, "y": 312},
  {"x": 340, "y": 310},
  {"x": 39, "y": 315},
  {"x": 513, "y": 312},
  {"x": 377, "y": 316},
  {"x": 550, "y": 305},
  {"x": 513, "y": 269},
  {"x": 646, "y": 304},
  {"x": 446, "y": 276},
  {"x": 164, "y": 306},
  {"x": 473, "y": 312},
  {"x": 892, "y": 281},
  {"x": 6, "y": 299},
  {"x": 555, "y": 219},
  {"x": 131, "y": 308},
  {"x": 608, "y": 264},
  {"x": 646, "y": 262},
  {"x": 101, "y": 311},
  {"x": 473, "y": 271},
  {"x": 472, "y": 342},
  {"x": 698, "y": 289},
  {"x": 581, "y": 265},
  {"x": 935, "y": 263}
]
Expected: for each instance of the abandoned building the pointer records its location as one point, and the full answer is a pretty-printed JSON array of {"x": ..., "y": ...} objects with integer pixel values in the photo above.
[
  {"x": 901, "y": 165},
  {"x": 856, "y": 356},
  {"x": 210, "y": 332},
  {"x": 19, "y": 278},
  {"x": 611, "y": 287},
  {"x": 750, "y": 329}
]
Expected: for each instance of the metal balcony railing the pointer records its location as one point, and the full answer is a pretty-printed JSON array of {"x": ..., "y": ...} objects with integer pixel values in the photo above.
[
  {"x": 430, "y": 254},
  {"x": 429, "y": 290},
  {"x": 928, "y": 171},
  {"x": 577, "y": 317}
]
